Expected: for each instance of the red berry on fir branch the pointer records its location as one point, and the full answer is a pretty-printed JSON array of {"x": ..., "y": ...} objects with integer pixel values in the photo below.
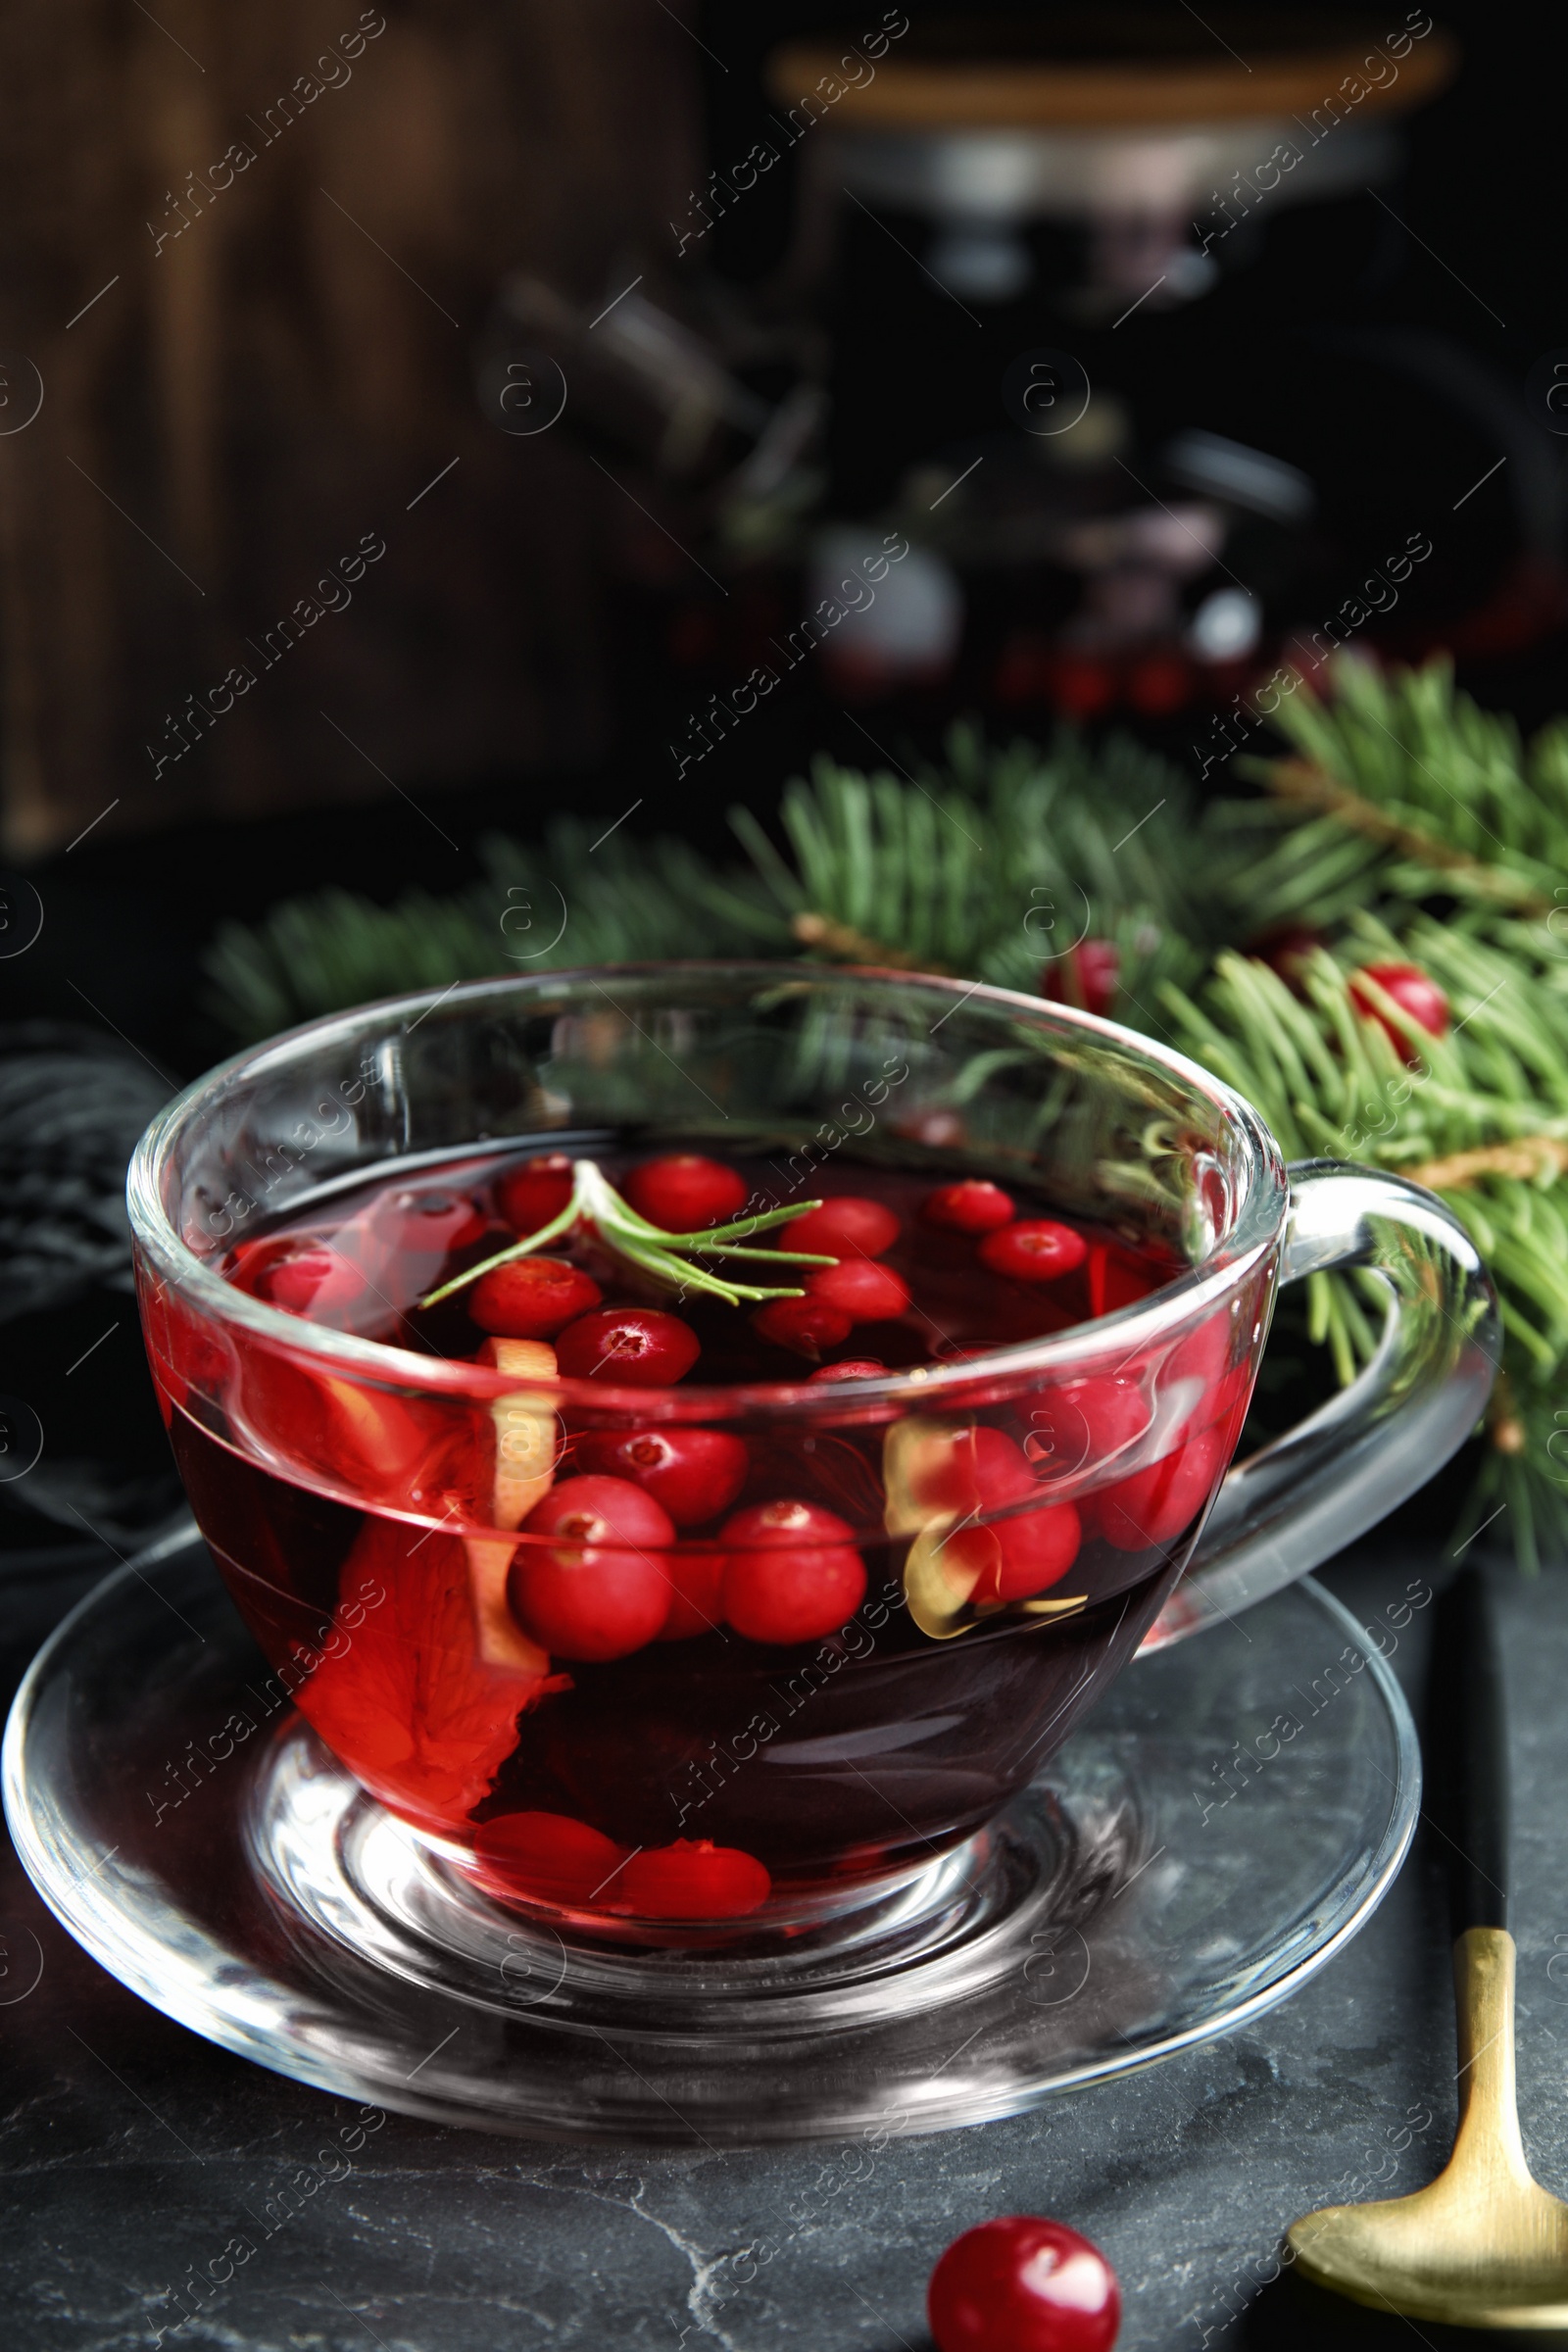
[
  {"x": 792, "y": 1573},
  {"x": 639, "y": 1347},
  {"x": 1036, "y": 1249},
  {"x": 1023, "y": 2285},
  {"x": 1088, "y": 975},
  {"x": 1415, "y": 992},
  {"x": 683, "y": 1192},
  {"x": 969, "y": 1206},
  {"x": 866, "y": 1291},
  {"x": 694, "y": 1473},
  {"x": 845, "y": 1227},
  {"x": 530, "y": 1196},
  {"x": 806, "y": 1326},
  {"x": 531, "y": 1298}
]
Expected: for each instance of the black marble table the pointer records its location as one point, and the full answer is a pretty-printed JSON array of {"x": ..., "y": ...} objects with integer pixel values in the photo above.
[{"x": 132, "y": 2154}]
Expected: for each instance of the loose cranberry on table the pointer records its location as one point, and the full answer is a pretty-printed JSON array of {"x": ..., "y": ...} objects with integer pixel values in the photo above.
[
  {"x": 969, "y": 1206},
  {"x": 683, "y": 1192},
  {"x": 1035, "y": 1250},
  {"x": 845, "y": 1226},
  {"x": 693, "y": 1879},
  {"x": 1415, "y": 992},
  {"x": 806, "y": 1326},
  {"x": 866, "y": 1291},
  {"x": 1022, "y": 2284},
  {"x": 694, "y": 1473},
  {"x": 562, "y": 1860},
  {"x": 531, "y": 1195},
  {"x": 602, "y": 1590},
  {"x": 792, "y": 1573},
  {"x": 639, "y": 1347},
  {"x": 532, "y": 1297}
]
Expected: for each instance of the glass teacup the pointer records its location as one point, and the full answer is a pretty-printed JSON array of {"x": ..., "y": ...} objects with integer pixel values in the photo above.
[{"x": 726, "y": 1772}]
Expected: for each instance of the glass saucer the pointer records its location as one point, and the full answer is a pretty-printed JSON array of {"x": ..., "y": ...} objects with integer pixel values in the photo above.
[{"x": 1232, "y": 1812}]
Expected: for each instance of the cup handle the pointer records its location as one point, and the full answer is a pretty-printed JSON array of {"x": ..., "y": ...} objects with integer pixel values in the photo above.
[{"x": 1337, "y": 1473}]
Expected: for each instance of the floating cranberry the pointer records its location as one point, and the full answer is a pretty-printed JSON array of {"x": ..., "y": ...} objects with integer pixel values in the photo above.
[
  {"x": 683, "y": 1192},
  {"x": 695, "y": 1473},
  {"x": 1082, "y": 1422},
  {"x": 1020, "y": 1555},
  {"x": 696, "y": 1593},
  {"x": 1202, "y": 1355},
  {"x": 866, "y": 1291},
  {"x": 1153, "y": 1505},
  {"x": 557, "y": 1859},
  {"x": 1415, "y": 992},
  {"x": 602, "y": 1590},
  {"x": 793, "y": 1573},
  {"x": 639, "y": 1347},
  {"x": 969, "y": 1206},
  {"x": 976, "y": 1469},
  {"x": 532, "y": 1297},
  {"x": 435, "y": 1222},
  {"x": 1036, "y": 1249},
  {"x": 806, "y": 1326},
  {"x": 693, "y": 1879},
  {"x": 1023, "y": 2285},
  {"x": 855, "y": 1367},
  {"x": 316, "y": 1282},
  {"x": 1087, "y": 976},
  {"x": 845, "y": 1226},
  {"x": 531, "y": 1195}
]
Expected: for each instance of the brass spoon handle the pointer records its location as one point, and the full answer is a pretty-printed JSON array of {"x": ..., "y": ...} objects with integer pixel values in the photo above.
[{"x": 1488, "y": 2149}]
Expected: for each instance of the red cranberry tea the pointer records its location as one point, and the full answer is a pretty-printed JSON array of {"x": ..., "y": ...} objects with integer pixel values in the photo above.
[{"x": 700, "y": 1659}]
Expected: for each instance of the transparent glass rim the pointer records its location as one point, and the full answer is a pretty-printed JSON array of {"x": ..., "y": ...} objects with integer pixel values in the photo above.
[{"x": 1006, "y": 1370}]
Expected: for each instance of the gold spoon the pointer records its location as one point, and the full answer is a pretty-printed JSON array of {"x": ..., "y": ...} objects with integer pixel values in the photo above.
[{"x": 1484, "y": 2246}]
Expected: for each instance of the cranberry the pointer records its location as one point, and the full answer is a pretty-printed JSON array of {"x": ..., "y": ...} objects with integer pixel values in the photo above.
[
  {"x": 603, "y": 1591},
  {"x": 1023, "y": 2285},
  {"x": 793, "y": 1573},
  {"x": 855, "y": 1367},
  {"x": 806, "y": 1326},
  {"x": 1082, "y": 1422},
  {"x": 845, "y": 1226},
  {"x": 1014, "y": 1557},
  {"x": 976, "y": 1469},
  {"x": 683, "y": 1193},
  {"x": 559, "y": 1860},
  {"x": 1415, "y": 992},
  {"x": 433, "y": 1223},
  {"x": 1037, "y": 1250},
  {"x": 969, "y": 1206},
  {"x": 532, "y": 1297},
  {"x": 1153, "y": 1505},
  {"x": 693, "y": 1879},
  {"x": 696, "y": 1593},
  {"x": 531, "y": 1195},
  {"x": 1087, "y": 976},
  {"x": 640, "y": 1346},
  {"x": 867, "y": 1291},
  {"x": 1202, "y": 1355},
  {"x": 695, "y": 1473},
  {"x": 314, "y": 1281}
]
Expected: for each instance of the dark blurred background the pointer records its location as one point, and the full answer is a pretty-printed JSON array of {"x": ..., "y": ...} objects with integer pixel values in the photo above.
[{"x": 420, "y": 421}]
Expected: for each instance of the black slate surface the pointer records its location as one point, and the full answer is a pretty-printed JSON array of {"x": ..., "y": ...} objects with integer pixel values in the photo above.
[{"x": 133, "y": 2153}]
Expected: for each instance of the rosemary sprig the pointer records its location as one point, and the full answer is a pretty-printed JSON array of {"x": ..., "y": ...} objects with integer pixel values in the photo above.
[{"x": 667, "y": 1255}]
